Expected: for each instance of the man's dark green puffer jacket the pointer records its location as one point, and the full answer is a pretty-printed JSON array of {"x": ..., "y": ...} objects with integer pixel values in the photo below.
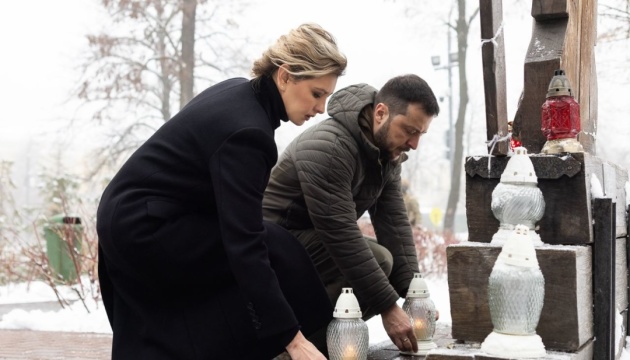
[{"x": 326, "y": 179}]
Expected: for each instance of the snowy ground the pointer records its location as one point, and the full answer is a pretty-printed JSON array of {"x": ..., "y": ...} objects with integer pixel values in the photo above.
[{"x": 77, "y": 318}]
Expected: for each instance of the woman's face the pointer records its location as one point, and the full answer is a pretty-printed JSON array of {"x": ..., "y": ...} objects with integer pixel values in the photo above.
[{"x": 304, "y": 99}]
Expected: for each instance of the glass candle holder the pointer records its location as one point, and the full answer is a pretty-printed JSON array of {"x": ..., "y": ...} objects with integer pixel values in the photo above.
[
  {"x": 517, "y": 199},
  {"x": 347, "y": 336},
  {"x": 560, "y": 117},
  {"x": 516, "y": 292},
  {"x": 422, "y": 313}
]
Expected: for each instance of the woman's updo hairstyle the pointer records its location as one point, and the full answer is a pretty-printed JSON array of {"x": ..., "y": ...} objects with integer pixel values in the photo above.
[{"x": 307, "y": 52}]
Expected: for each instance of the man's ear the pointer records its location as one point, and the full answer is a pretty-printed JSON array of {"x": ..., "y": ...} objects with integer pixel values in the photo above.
[{"x": 381, "y": 113}]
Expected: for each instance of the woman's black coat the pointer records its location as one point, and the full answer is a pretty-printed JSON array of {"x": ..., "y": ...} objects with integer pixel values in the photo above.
[{"x": 187, "y": 267}]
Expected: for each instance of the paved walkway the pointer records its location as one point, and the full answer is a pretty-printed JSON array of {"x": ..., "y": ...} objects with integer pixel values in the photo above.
[{"x": 49, "y": 345}]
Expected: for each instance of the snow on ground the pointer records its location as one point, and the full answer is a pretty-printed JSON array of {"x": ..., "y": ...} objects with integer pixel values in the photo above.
[{"x": 77, "y": 317}]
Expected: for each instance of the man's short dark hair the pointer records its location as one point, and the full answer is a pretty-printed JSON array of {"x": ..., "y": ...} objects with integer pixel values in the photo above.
[{"x": 400, "y": 91}]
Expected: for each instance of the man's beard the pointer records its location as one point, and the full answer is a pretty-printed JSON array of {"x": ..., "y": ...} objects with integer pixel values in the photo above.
[{"x": 380, "y": 139}]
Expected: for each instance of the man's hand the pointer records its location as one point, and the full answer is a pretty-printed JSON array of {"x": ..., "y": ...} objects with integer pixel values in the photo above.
[
  {"x": 398, "y": 327},
  {"x": 301, "y": 349}
]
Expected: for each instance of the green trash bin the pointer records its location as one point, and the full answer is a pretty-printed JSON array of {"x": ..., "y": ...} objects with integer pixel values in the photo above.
[{"x": 63, "y": 245}]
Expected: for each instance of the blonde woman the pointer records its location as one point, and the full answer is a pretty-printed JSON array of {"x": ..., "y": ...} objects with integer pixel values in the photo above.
[{"x": 188, "y": 268}]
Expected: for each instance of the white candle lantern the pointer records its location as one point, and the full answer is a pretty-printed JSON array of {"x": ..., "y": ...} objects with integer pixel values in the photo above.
[
  {"x": 422, "y": 314},
  {"x": 516, "y": 291},
  {"x": 517, "y": 198},
  {"x": 347, "y": 335}
]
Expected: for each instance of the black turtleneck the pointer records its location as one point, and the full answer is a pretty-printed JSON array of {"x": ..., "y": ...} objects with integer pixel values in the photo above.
[{"x": 268, "y": 96}]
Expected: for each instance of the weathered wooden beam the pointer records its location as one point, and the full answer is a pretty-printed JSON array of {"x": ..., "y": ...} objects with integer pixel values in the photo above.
[
  {"x": 547, "y": 167},
  {"x": 564, "y": 180},
  {"x": 621, "y": 270},
  {"x": 559, "y": 42},
  {"x": 585, "y": 31},
  {"x": 604, "y": 278},
  {"x": 627, "y": 263},
  {"x": 567, "y": 316},
  {"x": 470, "y": 352},
  {"x": 447, "y": 354},
  {"x": 621, "y": 290},
  {"x": 541, "y": 60},
  {"x": 386, "y": 350},
  {"x": 449, "y": 349},
  {"x": 613, "y": 181},
  {"x": 493, "y": 60},
  {"x": 549, "y": 9}
]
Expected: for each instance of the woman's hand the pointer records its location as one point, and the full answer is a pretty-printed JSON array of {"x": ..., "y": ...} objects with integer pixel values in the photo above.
[{"x": 301, "y": 349}]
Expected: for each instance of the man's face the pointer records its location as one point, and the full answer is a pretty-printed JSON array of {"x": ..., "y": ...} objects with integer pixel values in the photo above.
[{"x": 400, "y": 133}]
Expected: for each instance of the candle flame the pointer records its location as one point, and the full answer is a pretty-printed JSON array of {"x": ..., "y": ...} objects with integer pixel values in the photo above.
[
  {"x": 420, "y": 328},
  {"x": 350, "y": 353}
]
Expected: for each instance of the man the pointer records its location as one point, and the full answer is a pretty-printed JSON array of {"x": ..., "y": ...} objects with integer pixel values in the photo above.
[{"x": 348, "y": 164}]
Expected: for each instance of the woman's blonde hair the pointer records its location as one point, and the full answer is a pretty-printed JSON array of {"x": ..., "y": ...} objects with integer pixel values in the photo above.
[{"x": 308, "y": 51}]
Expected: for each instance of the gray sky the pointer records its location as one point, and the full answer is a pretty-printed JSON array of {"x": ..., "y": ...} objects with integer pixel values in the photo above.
[
  {"x": 40, "y": 40},
  {"x": 46, "y": 39},
  {"x": 43, "y": 40}
]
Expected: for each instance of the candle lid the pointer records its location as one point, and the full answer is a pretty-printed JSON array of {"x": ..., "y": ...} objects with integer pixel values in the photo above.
[
  {"x": 559, "y": 85},
  {"x": 518, "y": 249},
  {"x": 519, "y": 169},
  {"x": 347, "y": 306},
  {"x": 418, "y": 287}
]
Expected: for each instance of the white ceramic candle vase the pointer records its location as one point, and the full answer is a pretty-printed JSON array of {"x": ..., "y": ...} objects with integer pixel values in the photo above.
[{"x": 517, "y": 198}]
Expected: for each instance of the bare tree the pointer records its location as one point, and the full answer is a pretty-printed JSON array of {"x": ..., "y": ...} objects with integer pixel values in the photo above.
[
  {"x": 618, "y": 14},
  {"x": 187, "y": 68},
  {"x": 461, "y": 28},
  {"x": 7, "y": 202},
  {"x": 144, "y": 68}
]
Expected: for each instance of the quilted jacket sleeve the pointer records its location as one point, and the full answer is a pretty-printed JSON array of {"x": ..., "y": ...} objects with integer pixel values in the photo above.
[
  {"x": 326, "y": 164},
  {"x": 393, "y": 231}
]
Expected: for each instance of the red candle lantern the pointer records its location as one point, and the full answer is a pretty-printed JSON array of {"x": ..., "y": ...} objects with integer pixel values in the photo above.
[
  {"x": 514, "y": 139},
  {"x": 560, "y": 117}
]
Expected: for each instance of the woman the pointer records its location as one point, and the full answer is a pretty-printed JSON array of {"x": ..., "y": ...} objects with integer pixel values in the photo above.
[{"x": 188, "y": 269}]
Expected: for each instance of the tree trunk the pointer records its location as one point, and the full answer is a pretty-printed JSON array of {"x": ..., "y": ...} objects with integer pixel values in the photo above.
[
  {"x": 461, "y": 28},
  {"x": 187, "y": 63},
  {"x": 165, "y": 67}
]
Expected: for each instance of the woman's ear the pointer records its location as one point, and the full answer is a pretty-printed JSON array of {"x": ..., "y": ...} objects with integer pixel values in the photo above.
[{"x": 282, "y": 77}]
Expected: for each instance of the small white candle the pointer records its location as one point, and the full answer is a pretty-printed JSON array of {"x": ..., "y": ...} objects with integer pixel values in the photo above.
[
  {"x": 350, "y": 353},
  {"x": 419, "y": 329}
]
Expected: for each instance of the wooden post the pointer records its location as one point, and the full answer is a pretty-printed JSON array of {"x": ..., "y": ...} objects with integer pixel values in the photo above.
[
  {"x": 604, "y": 278},
  {"x": 493, "y": 59},
  {"x": 628, "y": 261},
  {"x": 563, "y": 37}
]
